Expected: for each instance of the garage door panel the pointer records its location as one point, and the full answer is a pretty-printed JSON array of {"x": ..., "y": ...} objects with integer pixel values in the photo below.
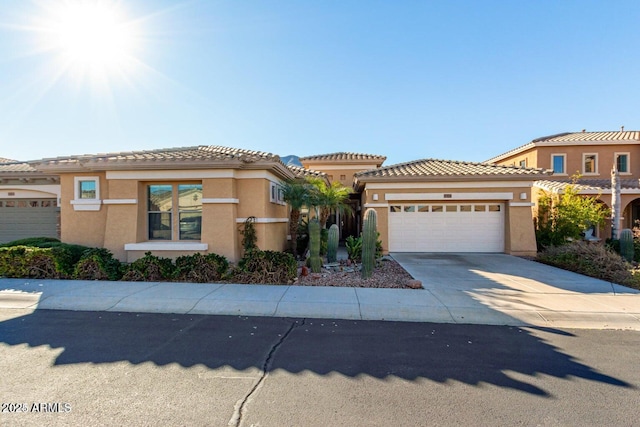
[
  {"x": 21, "y": 218},
  {"x": 448, "y": 228}
]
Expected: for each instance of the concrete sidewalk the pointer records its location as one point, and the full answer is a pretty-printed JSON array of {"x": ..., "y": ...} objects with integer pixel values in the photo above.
[{"x": 492, "y": 289}]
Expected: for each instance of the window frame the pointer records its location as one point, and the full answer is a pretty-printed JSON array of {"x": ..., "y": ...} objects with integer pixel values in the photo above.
[
  {"x": 276, "y": 193},
  {"x": 78, "y": 180},
  {"x": 595, "y": 163},
  {"x": 175, "y": 212},
  {"x": 564, "y": 163},
  {"x": 617, "y": 155},
  {"x": 522, "y": 163}
]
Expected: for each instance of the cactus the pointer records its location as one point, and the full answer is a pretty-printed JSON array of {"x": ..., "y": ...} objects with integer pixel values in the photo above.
[
  {"x": 369, "y": 238},
  {"x": 314, "y": 246},
  {"x": 332, "y": 244},
  {"x": 626, "y": 244}
]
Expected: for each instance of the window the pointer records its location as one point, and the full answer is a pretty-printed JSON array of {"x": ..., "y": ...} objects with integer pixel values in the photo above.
[
  {"x": 343, "y": 177},
  {"x": 590, "y": 163},
  {"x": 409, "y": 208},
  {"x": 622, "y": 162},
  {"x": 558, "y": 163},
  {"x": 276, "y": 193},
  {"x": 161, "y": 200},
  {"x": 395, "y": 208},
  {"x": 523, "y": 163},
  {"x": 86, "y": 188}
]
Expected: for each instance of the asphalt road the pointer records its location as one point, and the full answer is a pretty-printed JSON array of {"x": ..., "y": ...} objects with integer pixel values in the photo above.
[{"x": 90, "y": 368}]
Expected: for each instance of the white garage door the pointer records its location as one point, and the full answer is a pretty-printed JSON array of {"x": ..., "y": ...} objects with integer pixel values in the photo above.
[
  {"x": 22, "y": 218},
  {"x": 450, "y": 227}
]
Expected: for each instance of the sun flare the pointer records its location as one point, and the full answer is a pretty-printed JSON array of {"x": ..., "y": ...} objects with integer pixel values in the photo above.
[{"x": 90, "y": 39}]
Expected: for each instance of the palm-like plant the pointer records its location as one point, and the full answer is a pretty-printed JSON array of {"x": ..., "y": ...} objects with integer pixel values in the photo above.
[
  {"x": 327, "y": 198},
  {"x": 296, "y": 194}
]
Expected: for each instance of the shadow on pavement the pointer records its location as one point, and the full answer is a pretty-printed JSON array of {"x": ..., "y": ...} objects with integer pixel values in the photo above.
[{"x": 471, "y": 354}]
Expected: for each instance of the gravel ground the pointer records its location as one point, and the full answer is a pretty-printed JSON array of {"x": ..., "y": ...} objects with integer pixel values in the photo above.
[{"x": 389, "y": 274}]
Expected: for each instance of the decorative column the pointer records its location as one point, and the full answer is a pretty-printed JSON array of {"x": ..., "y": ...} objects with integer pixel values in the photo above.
[{"x": 615, "y": 202}]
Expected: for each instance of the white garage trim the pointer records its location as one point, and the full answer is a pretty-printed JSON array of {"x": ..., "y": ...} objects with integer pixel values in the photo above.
[
  {"x": 447, "y": 227},
  {"x": 466, "y": 184},
  {"x": 448, "y": 196}
]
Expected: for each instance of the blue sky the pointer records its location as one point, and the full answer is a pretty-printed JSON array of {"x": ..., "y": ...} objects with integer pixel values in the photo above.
[{"x": 458, "y": 80}]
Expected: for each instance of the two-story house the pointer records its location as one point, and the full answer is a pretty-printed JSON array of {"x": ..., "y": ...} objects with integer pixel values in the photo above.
[{"x": 592, "y": 156}]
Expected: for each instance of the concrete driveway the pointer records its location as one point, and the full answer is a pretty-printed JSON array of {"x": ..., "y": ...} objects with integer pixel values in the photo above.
[{"x": 503, "y": 289}]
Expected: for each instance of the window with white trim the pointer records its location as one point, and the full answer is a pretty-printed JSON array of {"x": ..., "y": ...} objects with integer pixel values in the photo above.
[
  {"x": 622, "y": 162},
  {"x": 590, "y": 163},
  {"x": 559, "y": 164},
  {"x": 86, "y": 188},
  {"x": 276, "y": 193},
  {"x": 165, "y": 199}
]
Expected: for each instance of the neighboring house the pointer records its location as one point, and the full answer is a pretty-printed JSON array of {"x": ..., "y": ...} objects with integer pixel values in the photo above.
[
  {"x": 592, "y": 155},
  {"x": 447, "y": 206},
  {"x": 28, "y": 202},
  {"x": 174, "y": 201},
  {"x": 341, "y": 167}
]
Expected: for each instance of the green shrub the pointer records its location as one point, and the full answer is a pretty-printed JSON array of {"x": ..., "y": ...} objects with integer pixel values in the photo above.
[
  {"x": 73, "y": 251},
  {"x": 591, "y": 260},
  {"x": 33, "y": 262},
  {"x": 98, "y": 264},
  {"x": 30, "y": 241},
  {"x": 266, "y": 267},
  {"x": 201, "y": 268},
  {"x": 149, "y": 268}
]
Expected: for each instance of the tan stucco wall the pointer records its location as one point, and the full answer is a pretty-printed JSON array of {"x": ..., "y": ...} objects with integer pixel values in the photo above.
[
  {"x": 519, "y": 229},
  {"x": 335, "y": 170},
  {"x": 520, "y": 236},
  {"x": 81, "y": 227},
  {"x": 540, "y": 157},
  {"x": 124, "y": 222}
]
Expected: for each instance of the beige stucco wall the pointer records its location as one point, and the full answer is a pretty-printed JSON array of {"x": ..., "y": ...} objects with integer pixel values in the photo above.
[
  {"x": 335, "y": 170},
  {"x": 540, "y": 157},
  {"x": 519, "y": 230},
  {"x": 123, "y": 218},
  {"x": 81, "y": 227}
]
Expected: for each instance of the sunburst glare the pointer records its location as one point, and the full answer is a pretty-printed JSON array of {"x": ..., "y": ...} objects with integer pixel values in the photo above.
[{"x": 92, "y": 41}]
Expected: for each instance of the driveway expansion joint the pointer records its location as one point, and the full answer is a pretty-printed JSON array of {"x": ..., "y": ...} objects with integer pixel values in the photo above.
[{"x": 241, "y": 405}]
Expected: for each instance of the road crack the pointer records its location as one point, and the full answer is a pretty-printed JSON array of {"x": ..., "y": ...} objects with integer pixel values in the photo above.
[{"x": 241, "y": 405}]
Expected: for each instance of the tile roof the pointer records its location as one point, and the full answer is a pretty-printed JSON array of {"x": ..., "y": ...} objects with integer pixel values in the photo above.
[
  {"x": 16, "y": 167},
  {"x": 300, "y": 172},
  {"x": 344, "y": 156},
  {"x": 611, "y": 136},
  {"x": 574, "y": 138},
  {"x": 448, "y": 169},
  {"x": 5, "y": 160},
  {"x": 587, "y": 186},
  {"x": 195, "y": 153}
]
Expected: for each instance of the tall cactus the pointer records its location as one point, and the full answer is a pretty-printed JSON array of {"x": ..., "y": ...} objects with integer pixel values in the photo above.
[
  {"x": 332, "y": 244},
  {"x": 314, "y": 246},
  {"x": 626, "y": 244},
  {"x": 369, "y": 237}
]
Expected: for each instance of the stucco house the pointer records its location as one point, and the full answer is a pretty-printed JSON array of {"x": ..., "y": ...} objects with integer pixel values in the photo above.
[
  {"x": 172, "y": 201},
  {"x": 435, "y": 205},
  {"x": 592, "y": 155},
  {"x": 179, "y": 201},
  {"x": 28, "y": 202}
]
